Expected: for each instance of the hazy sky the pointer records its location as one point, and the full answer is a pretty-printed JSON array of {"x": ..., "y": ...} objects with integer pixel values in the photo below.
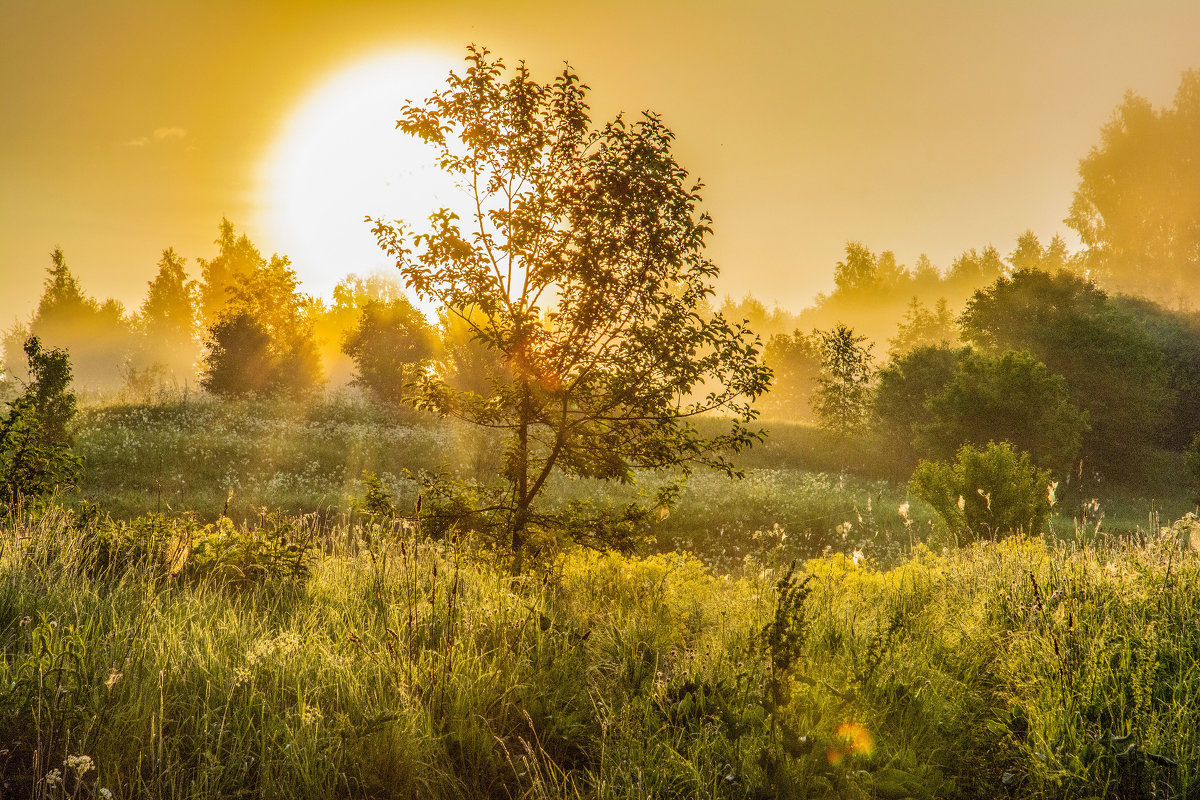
[{"x": 916, "y": 126}]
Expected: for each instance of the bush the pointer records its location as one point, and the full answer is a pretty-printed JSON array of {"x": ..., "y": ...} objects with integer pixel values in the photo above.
[
  {"x": 987, "y": 492},
  {"x": 35, "y": 444}
]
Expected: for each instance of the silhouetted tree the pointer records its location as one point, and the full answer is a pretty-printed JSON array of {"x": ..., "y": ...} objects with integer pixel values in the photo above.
[
  {"x": 98, "y": 336},
  {"x": 263, "y": 339},
  {"x": 333, "y": 322},
  {"x": 238, "y": 360},
  {"x": 582, "y": 267}
]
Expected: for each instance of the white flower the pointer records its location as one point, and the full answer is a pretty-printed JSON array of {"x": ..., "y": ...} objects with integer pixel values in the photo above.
[
  {"x": 54, "y": 778},
  {"x": 105, "y": 794},
  {"x": 80, "y": 765}
]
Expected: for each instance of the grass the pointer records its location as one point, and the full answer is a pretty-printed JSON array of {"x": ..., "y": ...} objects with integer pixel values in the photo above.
[{"x": 390, "y": 667}]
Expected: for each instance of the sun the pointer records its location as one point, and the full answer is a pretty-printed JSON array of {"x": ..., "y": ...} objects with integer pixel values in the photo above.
[{"x": 339, "y": 158}]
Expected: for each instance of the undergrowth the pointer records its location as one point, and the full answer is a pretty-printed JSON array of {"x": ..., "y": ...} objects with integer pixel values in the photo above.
[{"x": 291, "y": 658}]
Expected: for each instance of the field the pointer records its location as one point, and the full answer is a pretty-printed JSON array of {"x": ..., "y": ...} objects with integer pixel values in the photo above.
[{"x": 788, "y": 635}]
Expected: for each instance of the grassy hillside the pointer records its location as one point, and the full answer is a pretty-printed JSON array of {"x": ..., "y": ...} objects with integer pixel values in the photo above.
[
  {"x": 241, "y": 458},
  {"x": 170, "y": 659}
]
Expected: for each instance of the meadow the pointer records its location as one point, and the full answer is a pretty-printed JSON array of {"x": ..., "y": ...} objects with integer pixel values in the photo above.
[{"x": 216, "y": 615}]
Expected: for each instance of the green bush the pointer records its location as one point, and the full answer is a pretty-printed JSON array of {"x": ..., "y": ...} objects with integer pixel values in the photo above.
[{"x": 986, "y": 492}]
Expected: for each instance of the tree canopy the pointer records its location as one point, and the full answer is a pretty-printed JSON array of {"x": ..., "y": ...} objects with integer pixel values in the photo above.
[
  {"x": 1137, "y": 207},
  {"x": 581, "y": 265}
]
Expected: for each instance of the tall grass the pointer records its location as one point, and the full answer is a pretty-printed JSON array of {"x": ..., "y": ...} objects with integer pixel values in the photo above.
[{"x": 390, "y": 667}]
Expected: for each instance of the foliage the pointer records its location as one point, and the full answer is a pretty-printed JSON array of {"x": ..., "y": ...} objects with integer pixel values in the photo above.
[
  {"x": 333, "y": 322},
  {"x": 843, "y": 397},
  {"x": 262, "y": 340},
  {"x": 237, "y": 257},
  {"x": 1193, "y": 466},
  {"x": 1177, "y": 336},
  {"x": 35, "y": 442},
  {"x": 1011, "y": 397},
  {"x": 863, "y": 274},
  {"x": 1137, "y": 207},
  {"x": 238, "y": 359},
  {"x": 905, "y": 386},
  {"x": 99, "y": 336},
  {"x": 389, "y": 347},
  {"x": 923, "y": 328},
  {"x": 1054, "y": 672},
  {"x": 795, "y": 360},
  {"x": 167, "y": 321},
  {"x": 1114, "y": 371},
  {"x": 987, "y": 492},
  {"x": 582, "y": 268}
]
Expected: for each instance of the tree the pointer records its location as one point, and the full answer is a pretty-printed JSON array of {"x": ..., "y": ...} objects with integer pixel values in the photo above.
[
  {"x": 236, "y": 258},
  {"x": 923, "y": 328},
  {"x": 238, "y": 360},
  {"x": 1113, "y": 369},
  {"x": 332, "y": 323},
  {"x": 843, "y": 397},
  {"x": 581, "y": 265},
  {"x": 1010, "y": 397},
  {"x": 262, "y": 340},
  {"x": 796, "y": 362},
  {"x": 35, "y": 440},
  {"x": 388, "y": 347},
  {"x": 98, "y": 336},
  {"x": 903, "y": 391},
  {"x": 1137, "y": 207},
  {"x": 167, "y": 320}
]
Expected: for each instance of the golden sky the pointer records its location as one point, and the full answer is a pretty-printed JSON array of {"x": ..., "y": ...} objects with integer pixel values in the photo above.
[{"x": 916, "y": 126}]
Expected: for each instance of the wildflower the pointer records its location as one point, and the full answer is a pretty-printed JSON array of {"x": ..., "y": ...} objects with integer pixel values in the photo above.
[
  {"x": 903, "y": 511},
  {"x": 857, "y": 557},
  {"x": 105, "y": 794},
  {"x": 114, "y": 678},
  {"x": 1050, "y": 492},
  {"x": 81, "y": 765},
  {"x": 54, "y": 778},
  {"x": 962, "y": 504}
]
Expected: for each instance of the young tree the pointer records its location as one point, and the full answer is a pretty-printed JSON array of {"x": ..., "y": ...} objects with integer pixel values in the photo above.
[
  {"x": 581, "y": 265},
  {"x": 843, "y": 397},
  {"x": 35, "y": 439}
]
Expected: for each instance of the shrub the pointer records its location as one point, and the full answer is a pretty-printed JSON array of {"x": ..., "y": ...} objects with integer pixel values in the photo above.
[
  {"x": 986, "y": 492},
  {"x": 35, "y": 454}
]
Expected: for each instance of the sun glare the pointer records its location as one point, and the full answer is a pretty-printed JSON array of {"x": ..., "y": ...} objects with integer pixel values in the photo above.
[{"x": 338, "y": 158}]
